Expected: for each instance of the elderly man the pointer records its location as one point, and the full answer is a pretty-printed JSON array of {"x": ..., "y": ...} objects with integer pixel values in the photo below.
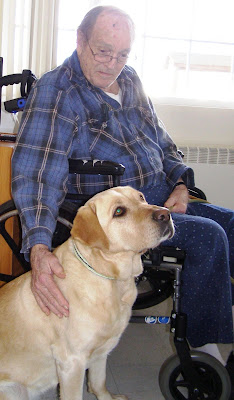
[{"x": 94, "y": 107}]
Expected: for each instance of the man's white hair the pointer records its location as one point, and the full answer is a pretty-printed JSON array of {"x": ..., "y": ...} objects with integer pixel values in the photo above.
[{"x": 90, "y": 18}]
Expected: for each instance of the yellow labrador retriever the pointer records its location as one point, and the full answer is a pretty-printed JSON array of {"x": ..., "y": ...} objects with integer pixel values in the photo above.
[{"x": 101, "y": 259}]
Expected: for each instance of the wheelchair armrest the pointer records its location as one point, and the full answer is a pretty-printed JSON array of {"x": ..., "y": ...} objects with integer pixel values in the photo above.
[
  {"x": 166, "y": 254},
  {"x": 95, "y": 167},
  {"x": 196, "y": 192}
]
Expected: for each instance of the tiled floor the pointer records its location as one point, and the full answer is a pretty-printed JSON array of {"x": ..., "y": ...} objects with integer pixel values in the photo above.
[{"x": 134, "y": 365}]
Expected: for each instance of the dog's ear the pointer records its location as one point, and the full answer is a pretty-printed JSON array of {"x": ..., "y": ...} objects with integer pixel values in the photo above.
[{"x": 87, "y": 228}]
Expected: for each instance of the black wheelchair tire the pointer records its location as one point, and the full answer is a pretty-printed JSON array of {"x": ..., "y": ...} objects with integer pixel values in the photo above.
[
  {"x": 206, "y": 365},
  {"x": 160, "y": 287},
  {"x": 62, "y": 231},
  {"x": 7, "y": 207}
]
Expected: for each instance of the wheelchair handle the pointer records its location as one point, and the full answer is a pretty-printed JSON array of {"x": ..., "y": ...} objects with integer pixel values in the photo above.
[
  {"x": 10, "y": 79},
  {"x": 26, "y": 79}
]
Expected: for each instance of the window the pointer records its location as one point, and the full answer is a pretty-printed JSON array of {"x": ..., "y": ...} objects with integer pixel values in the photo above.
[
  {"x": 28, "y": 37},
  {"x": 193, "y": 49},
  {"x": 15, "y": 39},
  {"x": 184, "y": 48}
]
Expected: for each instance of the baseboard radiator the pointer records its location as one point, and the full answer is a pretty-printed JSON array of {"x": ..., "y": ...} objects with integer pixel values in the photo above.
[
  {"x": 208, "y": 155},
  {"x": 214, "y": 172}
]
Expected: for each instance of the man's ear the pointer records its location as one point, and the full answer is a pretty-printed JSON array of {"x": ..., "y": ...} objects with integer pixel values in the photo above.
[
  {"x": 87, "y": 228},
  {"x": 81, "y": 40}
]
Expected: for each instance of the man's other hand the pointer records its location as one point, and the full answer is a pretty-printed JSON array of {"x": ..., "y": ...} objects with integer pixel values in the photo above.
[{"x": 178, "y": 200}]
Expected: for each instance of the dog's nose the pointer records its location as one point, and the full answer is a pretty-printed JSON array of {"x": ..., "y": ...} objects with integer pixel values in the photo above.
[{"x": 163, "y": 214}]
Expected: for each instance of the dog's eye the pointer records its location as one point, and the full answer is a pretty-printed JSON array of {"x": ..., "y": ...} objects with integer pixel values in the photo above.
[
  {"x": 142, "y": 197},
  {"x": 119, "y": 212}
]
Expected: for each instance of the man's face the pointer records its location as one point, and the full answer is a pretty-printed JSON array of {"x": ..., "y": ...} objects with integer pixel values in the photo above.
[{"x": 110, "y": 34}]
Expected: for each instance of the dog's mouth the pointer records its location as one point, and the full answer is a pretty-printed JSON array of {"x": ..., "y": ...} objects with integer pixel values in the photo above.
[
  {"x": 168, "y": 232},
  {"x": 143, "y": 251}
]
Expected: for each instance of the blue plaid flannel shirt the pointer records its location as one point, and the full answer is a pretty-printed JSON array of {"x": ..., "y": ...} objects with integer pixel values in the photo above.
[{"x": 67, "y": 117}]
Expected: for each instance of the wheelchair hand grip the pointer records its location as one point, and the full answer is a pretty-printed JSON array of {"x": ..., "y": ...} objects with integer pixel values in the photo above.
[
  {"x": 10, "y": 79},
  {"x": 26, "y": 79}
]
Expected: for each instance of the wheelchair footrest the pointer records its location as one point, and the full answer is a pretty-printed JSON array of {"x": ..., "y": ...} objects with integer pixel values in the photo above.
[{"x": 150, "y": 320}]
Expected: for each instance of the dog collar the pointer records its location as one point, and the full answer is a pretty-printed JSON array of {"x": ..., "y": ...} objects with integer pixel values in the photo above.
[{"x": 86, "y": 264}]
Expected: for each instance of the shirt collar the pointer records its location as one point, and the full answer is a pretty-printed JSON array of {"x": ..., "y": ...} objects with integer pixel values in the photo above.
[{"x": 126, "y": 80}]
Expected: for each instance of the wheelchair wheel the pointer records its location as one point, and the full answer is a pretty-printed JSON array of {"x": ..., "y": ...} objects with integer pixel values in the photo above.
[
  {"x": 154, "y": 286},
  {"x": 174, "y": 386},
  {"x": 10, "y": 232}
]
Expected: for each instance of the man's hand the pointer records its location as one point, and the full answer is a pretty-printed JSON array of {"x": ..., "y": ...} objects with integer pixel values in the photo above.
[
  {"x": 44, "y": 265},
  {"x": 178, "y": 200}
]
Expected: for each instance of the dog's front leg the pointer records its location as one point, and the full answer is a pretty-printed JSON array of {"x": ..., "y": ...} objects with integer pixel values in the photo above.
[
  {"x": 71, "y": 379},
  {"x": 97, "y": 381}
]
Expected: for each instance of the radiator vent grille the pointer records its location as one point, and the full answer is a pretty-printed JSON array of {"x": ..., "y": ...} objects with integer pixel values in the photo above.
[{"x": 207, "y": 155}]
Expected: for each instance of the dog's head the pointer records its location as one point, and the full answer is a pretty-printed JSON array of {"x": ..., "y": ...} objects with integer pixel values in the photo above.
[{"x": 120, "y": 219}]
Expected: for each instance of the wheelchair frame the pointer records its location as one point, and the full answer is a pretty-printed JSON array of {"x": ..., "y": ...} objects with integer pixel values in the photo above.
[{"x": 202, "y": 375}]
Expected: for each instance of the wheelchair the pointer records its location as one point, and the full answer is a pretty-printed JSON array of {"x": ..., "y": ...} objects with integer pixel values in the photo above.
[{"x": 189, "y": 374}]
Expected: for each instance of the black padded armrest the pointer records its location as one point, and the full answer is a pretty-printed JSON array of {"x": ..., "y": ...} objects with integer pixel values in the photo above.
[
  {"x": 169, "y": 254},
  {"x": 196, "y": 192},
  {"x": 95, "y": 167}
]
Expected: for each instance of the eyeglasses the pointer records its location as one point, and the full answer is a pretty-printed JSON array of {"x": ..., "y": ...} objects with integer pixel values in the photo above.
[{"x": 103, "y": 57}]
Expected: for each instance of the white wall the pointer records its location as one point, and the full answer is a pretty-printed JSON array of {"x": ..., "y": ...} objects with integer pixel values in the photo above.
[
  {"x": 217, "y": 183},
  {"x": 201, "y": 126},
  {"x": 204, "y": 126}
]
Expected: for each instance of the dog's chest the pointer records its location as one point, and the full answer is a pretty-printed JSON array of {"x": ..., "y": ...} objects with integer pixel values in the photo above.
[
  {"x": 127, "y": 292},
  {"x": 107, "y": 337},
  {"x": 118, "y": 308},
  {"x": 97, "y": 319}
]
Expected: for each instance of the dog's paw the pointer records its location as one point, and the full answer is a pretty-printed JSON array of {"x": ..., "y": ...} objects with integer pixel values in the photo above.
[
  {"x": 105, "y": 395},
  {"x": 109, "y": 396}
]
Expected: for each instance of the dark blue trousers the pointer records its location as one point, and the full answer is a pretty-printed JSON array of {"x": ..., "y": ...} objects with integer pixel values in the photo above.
[{"x": 206, "y": 233}]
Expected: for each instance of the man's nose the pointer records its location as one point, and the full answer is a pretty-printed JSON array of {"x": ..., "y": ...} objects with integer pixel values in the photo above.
[
  {"x": 162, "y": 214},
  {"x": 112, "y": 62}
]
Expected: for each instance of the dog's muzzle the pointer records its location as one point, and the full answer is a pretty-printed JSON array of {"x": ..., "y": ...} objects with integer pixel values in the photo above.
[{"x": 163, "y": 217}]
